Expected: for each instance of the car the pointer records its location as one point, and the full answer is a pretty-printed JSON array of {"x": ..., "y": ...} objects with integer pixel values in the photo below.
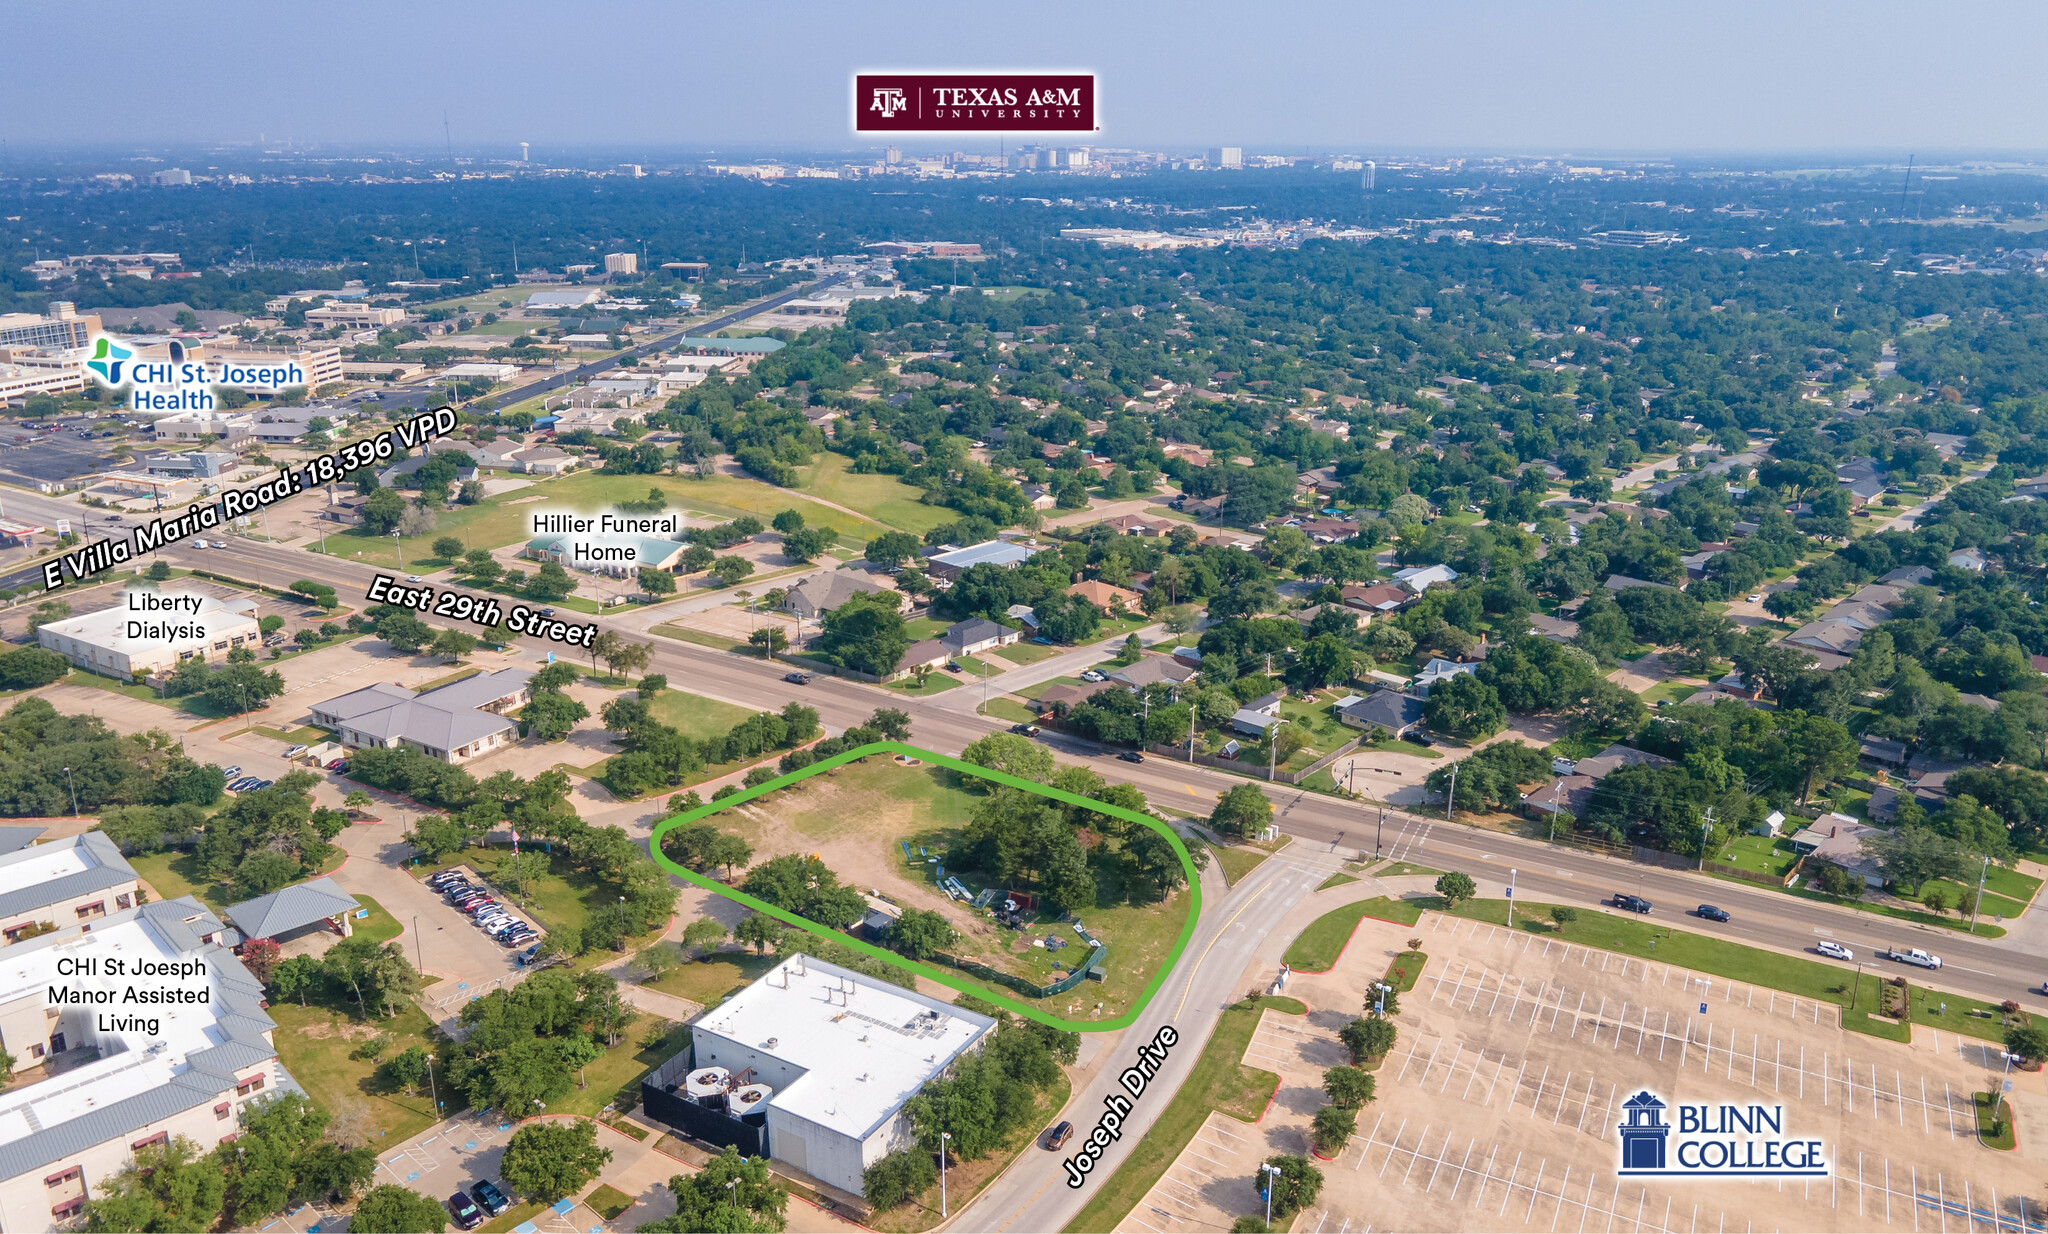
[
  {"x": 514, "y": 938},
  {"x": 113, "y": 518},
  {"x": 198, "y": 544},
  {"x": 444, "y": 880},
  {"x": 1709, "y": 913},
  {"x": 244, "y": 784},
  {"x": 953, "y": 666},
  {"x": 1833, "y": 950},
  {"x": 1093, "y": 675},
  {"x": 339, "y": 764},
  {"x": 509, "y": 925},
  {"x": 470, "y": 900},
  {"x": 1629, "y": 903},
  {"x": 1131, "y": 756},
  {"x": 801, "y": 679},
  {"x": 414, "y": 578},
  {"x": 459, "y": 889},
  {"x": 231, "y": 772},
  {"x": 1025, "y": 730},
  {"x": 491, "y": 922},
  {"x": 1563, "y": 766},
  {"x": 220, "y": 543},
  {"x": 295, "y": 751},
  {"x": 264, "y": 783},
  {"x": 1757, "y": 598},
  {"x": 1042, "y": 641},
  {"x": 1914, "y": 956},
  {"x": 482, "y": 908},
  {"x": 547, "y": 612},
  {"x": 527, "y": 956},
  {"x": 467, "y": 1214},
  {"x": 492, "y": 1199},
  {"x": 1056, "y": 1138}
]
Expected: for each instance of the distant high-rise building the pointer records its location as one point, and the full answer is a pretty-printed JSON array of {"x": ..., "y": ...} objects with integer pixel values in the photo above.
[
  {"x": 1226, "y": 156},
  {"x": 1077, "y": 160},
  {"x": 892, "y": 156},
  {"x": 174, "y": 175},
  {"x": 522, "y": 152},
  {"x": 632, "y": 169},
  {"x": 622, "y": 263},
  {"x": 1365, "y": 177}
]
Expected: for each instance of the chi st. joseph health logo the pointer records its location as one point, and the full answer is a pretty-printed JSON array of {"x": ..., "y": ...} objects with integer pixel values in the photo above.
[
  {"x": 179, "y": 382},
  {"x": 1713, "y": 1141}
]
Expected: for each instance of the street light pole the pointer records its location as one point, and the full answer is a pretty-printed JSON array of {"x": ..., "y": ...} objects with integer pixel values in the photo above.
[
  {"x": 1977, "y": 905},
  {"x": 398, "y": 552},
  {"x": 943, "y": 1137},
  {"x": 433, "y": 1090},
  {"x": 1273, "y": 749},
  {"x": 73, "y": 785},
  {"x": 1272, "y": 1173},
  {"x": 1511, "y": 901}
]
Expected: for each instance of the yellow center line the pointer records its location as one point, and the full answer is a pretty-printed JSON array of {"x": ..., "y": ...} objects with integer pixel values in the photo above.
[
  {"x": 1028, "y": 1203},
  {"x": 1190, "y": 988}
]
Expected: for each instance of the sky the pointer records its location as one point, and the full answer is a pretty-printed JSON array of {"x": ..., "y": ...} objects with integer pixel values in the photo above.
[{"x": 1445, "y": 75}]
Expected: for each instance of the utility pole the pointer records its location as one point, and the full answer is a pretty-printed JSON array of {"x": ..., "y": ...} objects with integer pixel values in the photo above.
[
  {"x": 1555, "y": 789},
  {"x": 943, "y": 1137},
  {"x": 1706, "y": 825},
  {"x": 1273, "y": 749},
  {"x": 1976, "y": 905},
  {"x": 1511, "y": 901},
  {"x": 1451, "y": 801}
]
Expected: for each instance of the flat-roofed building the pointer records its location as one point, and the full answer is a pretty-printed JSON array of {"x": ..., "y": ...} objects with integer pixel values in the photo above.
[
  {"x": 954, "y": 562},
  {"x": 353, "y": 316},
  {"x": 153, "y": 632},
  {"x": 841, "y": 1054},
  {"x": 62, "y": 883},
  {"x": 123, "y": 1077}
]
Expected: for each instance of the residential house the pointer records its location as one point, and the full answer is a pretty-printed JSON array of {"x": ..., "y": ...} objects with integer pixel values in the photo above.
[
  {"x": 1618, "y": 756},
  {"x": 1622, "y": 582},
  {"x": 1306, "y": 617},
  {"x": 1150, "y": 670},
  {"x": 1838, "y": 840},
  {"x": 1556, "y": 629},
  {"x": 1565, "y": 795},
  {"x": 822, "y": 592},
  {"x": 1399, "y": 714},
  {"x": 1378, "y": 598},
  {"x": 1104, "y": 596},
  {"x": 1969, "y": 559},
  {"x": 1062, "y": 695},
  {"x": 1139, "y": 525},
  {"x": 1882, "y": 751},
  {"x": 964, "y": 638},
  {"x": 925, "y": 653},
  {"x": 1909, "y": 576},
  {"x": 1419, "y": 579},
  {"x": 1439, "y": 669},
  {"x": 951, "y": 563}
]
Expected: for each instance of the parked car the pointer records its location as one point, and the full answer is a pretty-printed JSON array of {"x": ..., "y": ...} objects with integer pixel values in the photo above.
[
  {"x": 231, "y": 772},
  {"x": 244, "y": 784},
  {"x": 1629, "y": 903},
  {"x": 1094, "y": 675},
  {"x": 467, "y": 1214},
  {"x": 1025, "y": 730},
  {"x": 1710, "y": 913},
  {"x": 1563, "y": 767},
  {"x": 527, "y": 956},
  {"x": 514, "y": 938},
  {"x": 1056, "y": 1138},
  {"x": 262, "y": 784},
  {"x": 505, "y": 927},
  {"x": 1131, "y": 756},
  {"x": 1833, "y": 950},
  {"x": 1758, "y": 597},
  {"x": 492, "y": 1199},
  {"x": 953, "y": 666},
  {"x": 295, "y": 751},
  {"x": 801, "y": 679}
]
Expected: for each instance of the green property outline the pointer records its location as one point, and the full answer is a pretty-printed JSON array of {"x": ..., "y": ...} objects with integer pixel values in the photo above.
[{"x": 918, "y": 967}]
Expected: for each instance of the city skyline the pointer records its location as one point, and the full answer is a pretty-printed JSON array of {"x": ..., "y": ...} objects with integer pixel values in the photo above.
[{"x": 1480, "y": 77}]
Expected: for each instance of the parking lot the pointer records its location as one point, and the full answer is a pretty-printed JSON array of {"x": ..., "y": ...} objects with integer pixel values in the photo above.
[
  {"x": 1499, "y": 1106},
  {"x": 35, "y": 458}
]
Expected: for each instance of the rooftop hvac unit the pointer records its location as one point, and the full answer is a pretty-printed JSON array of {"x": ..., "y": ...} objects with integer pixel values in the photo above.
[
  {"x": 706, "y": 1086},
  {"x": 750, "y": 1099}
]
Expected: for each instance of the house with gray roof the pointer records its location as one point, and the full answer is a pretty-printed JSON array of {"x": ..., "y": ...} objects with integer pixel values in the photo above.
[
  {"x": 822, "y": 592},
  {"x": 288, "y": 912},
  {"x": 455, "y": 723},
  {"x": 1150, "y": 670},
  {"x": 964, "y": 638},
  {"x": 1617, "y": 756},
  {"x": 954, "y": 562},
  {"x": 1398, "y": 713}
]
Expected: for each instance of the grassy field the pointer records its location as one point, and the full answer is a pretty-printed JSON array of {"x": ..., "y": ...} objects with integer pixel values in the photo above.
[
  {"x": 1004, "y": 709},
  {"x": 1969, "y": 1016},
  {"x": 1316, "y": 948},
  {"x": 614, "y": 1078},
  {"x": 885, "y": 499},
  {"x": 938, "y": 682},
  {"x": 1760, "y": 855},
  {"x": 967, "y": 1179},
  {"x": 609, "y": 1201},
  {"x": 701, "y": 638},
  {"x": 315, "y": 1042},
  {"x": 558, "y": 897},
  {"x": 505, "y": 519},
  {"x": 1400, "y": 868},
  {"x": 1238, "y": 860},
  {"x": 1336, "y": 880},
  {"x": 1668, "y": 691},
  {"x": 1993, "y": 1111},
  {"x": 866, "y": 811},
  {"x": 695, "y": 716},
  {"x": 712, "y": 981},
  {"x": 1219, "y": 1081},
  {"x": 1026, "y": 653}
]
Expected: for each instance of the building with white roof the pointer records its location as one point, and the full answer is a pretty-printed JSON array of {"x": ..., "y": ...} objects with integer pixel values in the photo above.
[
  {"x": 62, "y": 883},
  {"x": 152, "y": 632},
  {"x": 128, "y": 1073},
  {"x": 842, "y": 1053}
]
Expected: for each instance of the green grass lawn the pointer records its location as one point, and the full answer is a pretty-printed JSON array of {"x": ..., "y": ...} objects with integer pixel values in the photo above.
[
  {"x": 1993, "y": 1109},
  {"x": 1035, "y": 690},
  {"x": 614, "y": 1078},
  {"x": 1238, "y": 860},
  {"x": 1004, "y": 709},
  {"x": 1969, "y": 1016},
  {"x": 1404, "y": 747},
  {"x": 684, "y": 634},
  {"x": 1668, "y": 691},
  {"x": 558, "y": 896},
  {"x": 498, "y": 521},
  {"x": 695, "y": 716},
  {"x": 1316, "y": 948},
  {"x": 608, "y": 1201},
  {"x": 175, "y": 874},
  {"x": 315, "y": 1042},
  {"x": 1766, "y": 855},
  {"x": 1400, "y": 868},
  {"x": 921, "y": 628},
  {"x": 885, "y": 499},
  {"x": 712, "y": 981},
  {"x": 1813, "y": 979},
  {"x": 1336, "y": 880},
  {"x": 1219, "y": 1081},
  {"x": 1984, "y": 929},
  {"x": 1026, "y": 653},
  {"x": 937, "y": 683}
]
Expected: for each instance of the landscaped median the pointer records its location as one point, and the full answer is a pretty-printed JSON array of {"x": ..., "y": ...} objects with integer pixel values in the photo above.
[
  {"x": 1218, "y": 1081},
  {"x": 959, "y": 979}
]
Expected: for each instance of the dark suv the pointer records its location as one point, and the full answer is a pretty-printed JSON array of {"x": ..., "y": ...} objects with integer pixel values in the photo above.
[
  {"x": 492, "y": 1199},
  {"x": 1057, "y": 1137},
  {"x": 1710, "y": 913},
  {"x": 1629, "y": 903},
  {"x": 467, "y": 1214}
]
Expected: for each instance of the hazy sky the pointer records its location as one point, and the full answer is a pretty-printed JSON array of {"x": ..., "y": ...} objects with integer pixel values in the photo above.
[{"x": 1441, "y": 74}]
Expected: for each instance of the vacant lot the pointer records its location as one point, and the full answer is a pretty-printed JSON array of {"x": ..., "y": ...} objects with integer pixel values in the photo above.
[{"x": 860, "y": 817}]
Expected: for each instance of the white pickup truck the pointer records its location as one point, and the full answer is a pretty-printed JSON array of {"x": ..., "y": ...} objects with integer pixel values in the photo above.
[{"x": 1914, "y": 956}]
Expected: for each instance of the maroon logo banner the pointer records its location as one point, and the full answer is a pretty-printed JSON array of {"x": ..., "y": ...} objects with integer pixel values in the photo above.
[{"x": 973, "y": 102}]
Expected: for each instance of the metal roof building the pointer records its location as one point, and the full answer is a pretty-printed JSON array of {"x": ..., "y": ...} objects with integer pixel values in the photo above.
[
  {"x": 295, "y": 909},
  {"x": 454, "y": 723},
  {"x": 63, "y": 883}
]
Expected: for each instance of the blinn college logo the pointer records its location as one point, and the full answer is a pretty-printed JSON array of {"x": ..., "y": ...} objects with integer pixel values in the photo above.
[
  {"x": 888, "y": 102},
  {"x": 107, "y": 359},
  {"x": 1713, "y": 1141}
]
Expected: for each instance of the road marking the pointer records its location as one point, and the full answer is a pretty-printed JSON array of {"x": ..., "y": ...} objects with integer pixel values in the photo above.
[{"x": 1190, "y": 987}]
